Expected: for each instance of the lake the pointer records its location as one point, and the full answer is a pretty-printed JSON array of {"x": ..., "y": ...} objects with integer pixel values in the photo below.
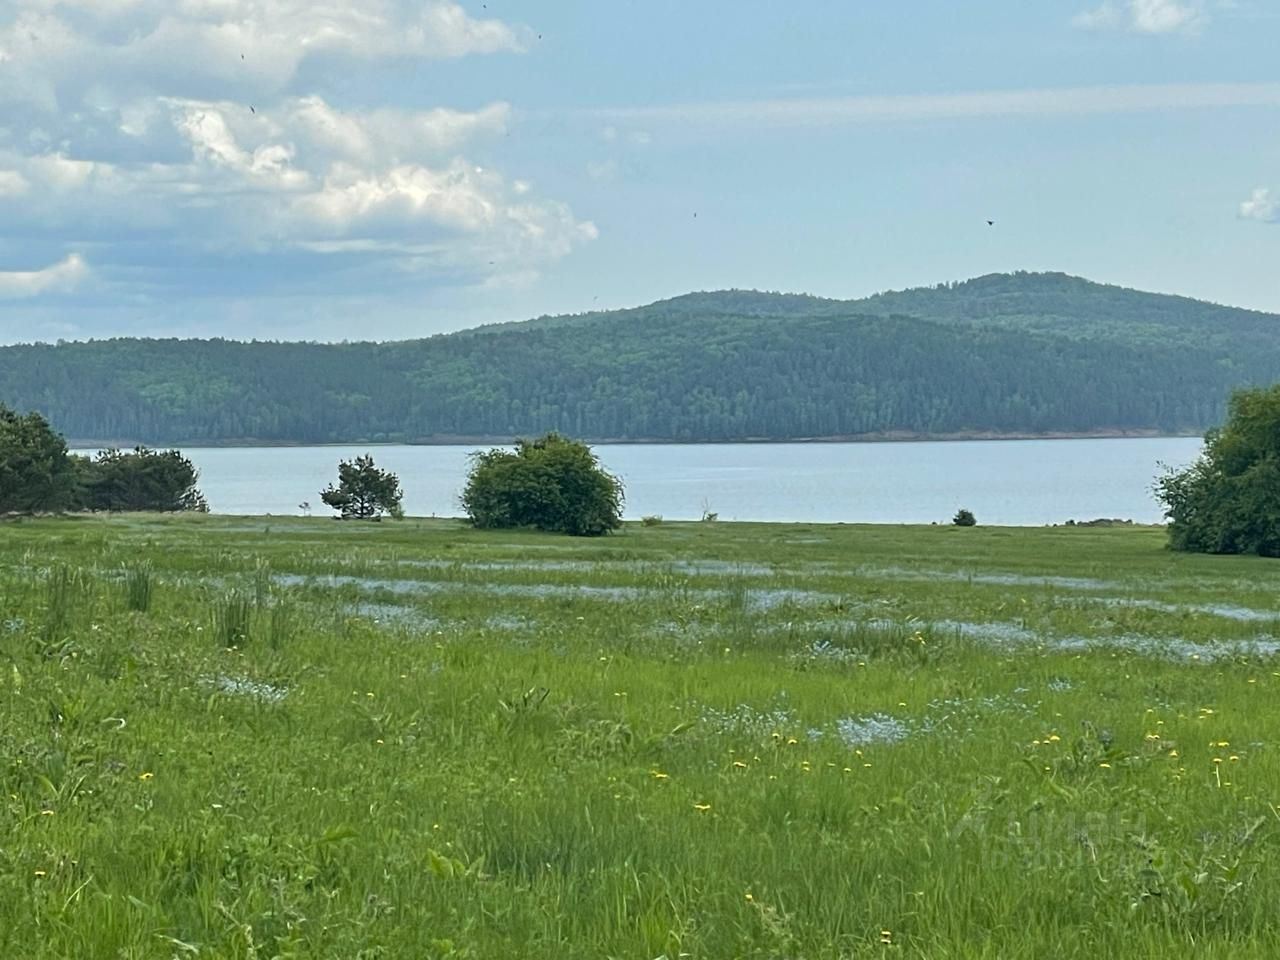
[{"x": 1017, "y": 482}]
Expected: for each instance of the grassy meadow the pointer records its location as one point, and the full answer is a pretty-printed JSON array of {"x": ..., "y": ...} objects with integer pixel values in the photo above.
[{"x": 287, "y": 738}]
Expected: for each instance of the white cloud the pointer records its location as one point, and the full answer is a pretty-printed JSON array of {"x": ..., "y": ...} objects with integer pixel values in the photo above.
[
  {"x": 1049, "y": 101},
  {"x": 394, "y": 135},
  {"x": 23, "y": 284},
  {"x": 1145, "y": 16},
  {"x": 1263, "y": 205},
  {"x": 195, "y": 46},
  {"x": 13, "y": 184},
  {"x": 169, "y": 131}
]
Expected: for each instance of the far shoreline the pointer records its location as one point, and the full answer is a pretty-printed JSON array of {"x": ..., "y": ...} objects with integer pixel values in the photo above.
[{"x": 449, "y": 440}]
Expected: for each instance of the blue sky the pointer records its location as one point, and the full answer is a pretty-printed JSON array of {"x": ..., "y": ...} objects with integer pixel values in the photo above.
[{"x": 332, "y": 169}]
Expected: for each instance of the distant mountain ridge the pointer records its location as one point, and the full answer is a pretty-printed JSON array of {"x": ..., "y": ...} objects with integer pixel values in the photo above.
[{"x": 1001, "y": 355}]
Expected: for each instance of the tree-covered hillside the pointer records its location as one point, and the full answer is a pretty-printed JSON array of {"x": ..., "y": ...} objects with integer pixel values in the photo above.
[{"x": 1010, "y": 354}]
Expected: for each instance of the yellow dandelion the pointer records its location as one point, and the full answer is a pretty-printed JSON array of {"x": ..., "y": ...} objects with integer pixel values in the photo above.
[
  {"x": 1054, "y": 738},
  {"x": 866, "y": 764},
  {"x": 1105, "y": 766},
  {"x": 750, "y": 898},
  {"x": 41, "y": 873},
  {"x": 146, "y": 776},
  {"x": 792, "y": 741},
  {"x": 848, "y": 769},
  {"x": 886, "y": 937},
  {"x": 739, "y": 764},
  {"x": 702, "y": 807},
  {"x": 659, "y": 775},
  {"x": 1173, "y": 753},
  {"x": 1217, "y": 759},
  {"x": 1233, "y": 758}
]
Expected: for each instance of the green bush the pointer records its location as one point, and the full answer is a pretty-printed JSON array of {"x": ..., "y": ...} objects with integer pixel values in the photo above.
[
  {"x": 964, "y": 518},
  {"x": 1228, "y": 501},
  {"x": 140, "y": 479},
  {"x": 552, "y": 483},
  {"x": 364, "y": 492}
]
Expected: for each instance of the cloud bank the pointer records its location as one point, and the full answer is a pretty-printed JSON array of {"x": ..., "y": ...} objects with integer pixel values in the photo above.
[{"x": 155, "y": 135}]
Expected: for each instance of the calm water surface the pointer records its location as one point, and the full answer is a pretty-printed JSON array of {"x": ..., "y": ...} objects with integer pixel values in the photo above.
[{"x": 1004, "y": 482}]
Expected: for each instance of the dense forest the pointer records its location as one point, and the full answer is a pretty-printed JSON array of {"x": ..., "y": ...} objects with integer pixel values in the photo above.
[{"x": 1005, "y": 354}]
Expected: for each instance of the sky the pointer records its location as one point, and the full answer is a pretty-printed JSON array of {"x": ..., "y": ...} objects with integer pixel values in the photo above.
[{"x": 386, "y": 169}]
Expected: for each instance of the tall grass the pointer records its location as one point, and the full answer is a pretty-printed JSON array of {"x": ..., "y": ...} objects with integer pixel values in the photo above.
[
  {"x": 869, "y": 742},
  {"x": 232, "y": 616},
  {"x": 137, "y": 587}
]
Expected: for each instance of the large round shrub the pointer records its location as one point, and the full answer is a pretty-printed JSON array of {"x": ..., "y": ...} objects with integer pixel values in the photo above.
[
  {"x": 1228, "y": 501},
  {"x": 551, "y": 483}
]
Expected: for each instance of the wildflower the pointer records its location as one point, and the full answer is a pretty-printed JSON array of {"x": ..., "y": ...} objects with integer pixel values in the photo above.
[
  {"x": 792, "y": 741},
  {"x": 1054, "y": 738},
  {"x": 1233, "y": 758},
  {"x": 41, "y": 873},
  {"x": 1217, "y": 759},
  {"x": 886, "y": 937},
  {"x": 1105, "y": 766},
  {"x": 146, "y": 776},
  {"x": 750, "y": 898},
  {"x": 702, "y": 807},
  {"x": 1173, "y": 753},
  {"x": 739, "y": 764},
  {"x": 659, "y": 775}
]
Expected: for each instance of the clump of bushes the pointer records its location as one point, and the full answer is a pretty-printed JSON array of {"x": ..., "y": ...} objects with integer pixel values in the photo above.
[
  {"x": 551, "y": 483},
  {"x": 964, "y": 518},
  {"x": 139, "y": 480},
  {"x": 38, "y": 475}
]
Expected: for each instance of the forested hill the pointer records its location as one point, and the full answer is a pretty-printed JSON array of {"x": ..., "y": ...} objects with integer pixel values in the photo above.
[{"x": 1005, "y": 354}]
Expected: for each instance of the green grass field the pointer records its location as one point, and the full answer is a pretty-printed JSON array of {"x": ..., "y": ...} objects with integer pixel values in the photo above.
[{"x": 274, "y": 738}]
